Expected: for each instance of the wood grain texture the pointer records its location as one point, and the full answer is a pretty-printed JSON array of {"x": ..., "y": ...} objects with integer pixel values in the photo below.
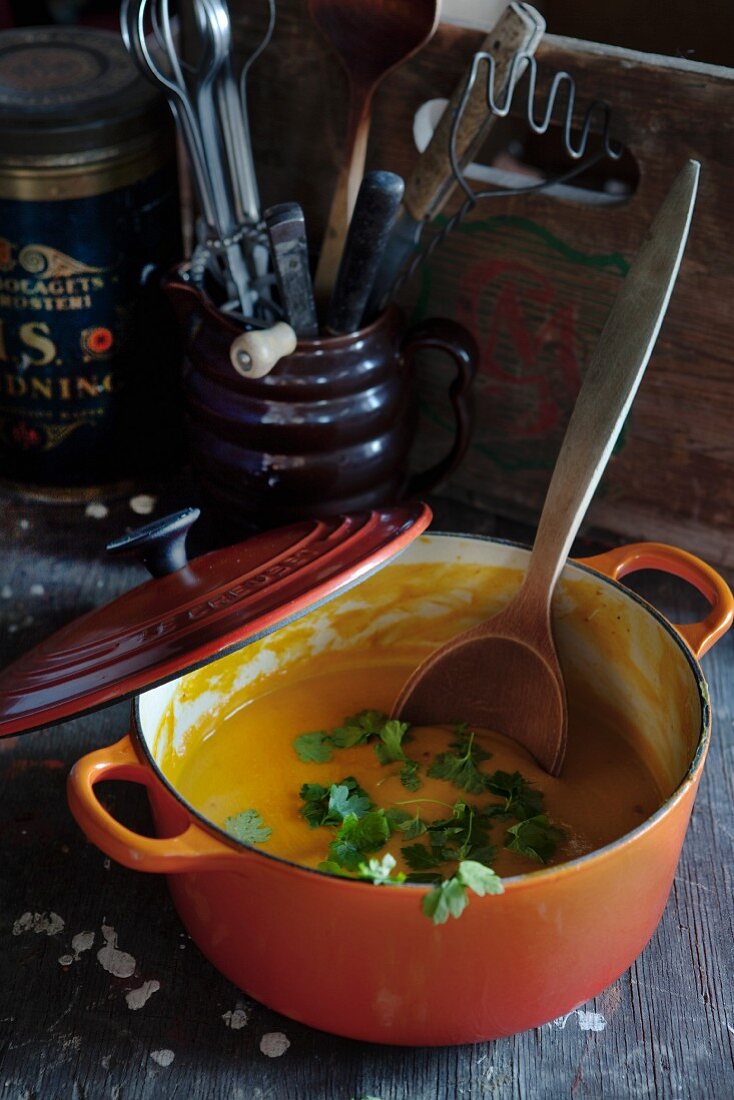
[
  {"x": 534, "y": 277},
  {"x": 67, "y": 1031}
]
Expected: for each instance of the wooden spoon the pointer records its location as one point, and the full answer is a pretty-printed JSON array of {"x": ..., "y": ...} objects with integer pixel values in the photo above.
[
  {"x": 504, "y": 674},
  {"x": 372, "y": 37}
]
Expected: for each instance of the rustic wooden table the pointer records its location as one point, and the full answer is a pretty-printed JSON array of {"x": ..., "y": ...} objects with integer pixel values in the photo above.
[{"x": 73, "y": 1028}]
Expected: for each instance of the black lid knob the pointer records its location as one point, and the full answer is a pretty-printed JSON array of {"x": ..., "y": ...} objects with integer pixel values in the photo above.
[{"x": 161, "y": 545}]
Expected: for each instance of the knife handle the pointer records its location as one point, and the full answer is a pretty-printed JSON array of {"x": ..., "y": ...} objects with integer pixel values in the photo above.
[
  {"x": 374, "y": 213},
  {"x": 519, "y": 28},
  {"x": 289, "y": 249}
]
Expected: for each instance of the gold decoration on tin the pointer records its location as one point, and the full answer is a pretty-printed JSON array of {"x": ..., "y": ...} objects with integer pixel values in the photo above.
[
  {"x": 32, "y": 437},
  {"x": 39, "y": 259}
]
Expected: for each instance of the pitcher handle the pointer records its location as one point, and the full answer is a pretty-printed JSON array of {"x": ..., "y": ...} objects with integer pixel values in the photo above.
[{"x": 441, "y": 334}]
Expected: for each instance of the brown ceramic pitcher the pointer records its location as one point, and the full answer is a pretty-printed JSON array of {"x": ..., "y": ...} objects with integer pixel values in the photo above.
[{"x": 329, "y": 430}]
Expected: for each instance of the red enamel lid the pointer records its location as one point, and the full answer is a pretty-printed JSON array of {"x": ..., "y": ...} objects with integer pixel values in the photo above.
[{"x": 212, "y": 605}]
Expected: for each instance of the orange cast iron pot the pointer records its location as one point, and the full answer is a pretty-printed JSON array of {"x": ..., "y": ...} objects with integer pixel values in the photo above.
[{"x": 363, "y": 961}]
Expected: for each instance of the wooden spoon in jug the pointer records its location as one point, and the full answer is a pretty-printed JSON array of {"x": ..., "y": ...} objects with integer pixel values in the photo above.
[
  {"x": 372, "y": 37},
  {"x": 504, "y": 674}
]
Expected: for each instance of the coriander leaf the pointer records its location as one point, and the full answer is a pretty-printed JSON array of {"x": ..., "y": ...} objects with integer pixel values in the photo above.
[
  {"x": 248, "y": 827},
  {"x": 420, "y": 857},
  {"x": 522, "y": 799},
  {"x": 446, "y": 899},
  {"x": 313, "y": 748},
  {"x": 330, "y": 805},
  {"x": 346, "y": 798},
  {"x": 480, "y": 879},
  {"x": 358, "y": 728},
  {"x": 358, "y": 836},
  {"x": 398, "y": 819},
  {"x": 461, "y": 767},
  {"x": 380, "y": 871},
  {"x": 483, "y": 853},
  {"x": 331, "y": 867},
  {"x": 315, "y": 799},
  {"x": 534, "y": 838},
  {"x": 391, "y": 735},
  {"x": 424, "y": 877},
  {"x": 409, "y": 776},
  {"x": 412, "y": 828}
]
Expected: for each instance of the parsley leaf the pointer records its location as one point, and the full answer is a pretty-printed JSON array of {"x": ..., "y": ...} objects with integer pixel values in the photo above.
[
  {"x": 389, "y": 747},
  {"x": 401, "y": 822},
  {"x": 380, "y": 871},
  {"x": 465, "y": 835},
  {"x": 358, "y": 728},
  {"x": 522, "y": 800},
  {"x": 460, "y": 767},
  {"x": 421, "y": 858},
  {"x": 535, "y": 838},
  {"x": 330, "y": 805},
  {"x": 313, "y": 748},
  {"x": 479, "y": 879},
  {"x": 248, "y": 827},
  {"x": 409, "y": 775},
  {"x": 448, "y": 898},
  {"x": 358, "y": 836}
]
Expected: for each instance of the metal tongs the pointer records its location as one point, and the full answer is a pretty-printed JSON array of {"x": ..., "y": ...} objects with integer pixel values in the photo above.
[{"x": 210, "y": 109}]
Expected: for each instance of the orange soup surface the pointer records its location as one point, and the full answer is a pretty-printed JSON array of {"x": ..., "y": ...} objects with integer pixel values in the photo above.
[{"x": 248, "y": 761}]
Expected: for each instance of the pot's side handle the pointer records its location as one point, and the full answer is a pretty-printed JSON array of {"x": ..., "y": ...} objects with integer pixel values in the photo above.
[
  {"x": 699, "y": 636},
  {"x": 192, "y": 849}
]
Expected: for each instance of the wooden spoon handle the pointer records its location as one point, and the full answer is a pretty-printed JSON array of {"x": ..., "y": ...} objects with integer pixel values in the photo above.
[
  {"x": 347, "y": 188},
  {"x": 519, "y": 29},
  {"x": 611, "y": 382}
]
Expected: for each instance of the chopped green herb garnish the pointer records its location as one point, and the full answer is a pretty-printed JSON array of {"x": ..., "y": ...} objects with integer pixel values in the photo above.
[
  {"x": 248, "y": 827},
  {"x": 461, "y": 767},
  {"x": 357, "y": 836},
  {"x": 522, "y": 800},
  {"x": 380, "y": 871},
  {"x": 313, "y": 747},
  {"x": 330, "y": 805},
  {"x": 448, "y": 898},
  {"x": 409, "y": 775},
  {"x": 535, "y": 838},
  {"x": 465, "y": 835},
  {"x": 389, "y": 747},
  {"x": 358, "y": 729}
]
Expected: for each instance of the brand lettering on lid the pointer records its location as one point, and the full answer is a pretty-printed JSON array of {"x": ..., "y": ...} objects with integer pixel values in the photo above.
[{"x": 277, "y": 571}]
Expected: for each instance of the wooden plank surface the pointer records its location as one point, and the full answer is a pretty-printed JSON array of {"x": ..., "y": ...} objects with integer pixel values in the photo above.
[{"x": 665, "y": 1029}]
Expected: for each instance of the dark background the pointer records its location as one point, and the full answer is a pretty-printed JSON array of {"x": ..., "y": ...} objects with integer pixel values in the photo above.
[
  {"x": 704, "y": 32},
  {"x": 36, "y": 13}
]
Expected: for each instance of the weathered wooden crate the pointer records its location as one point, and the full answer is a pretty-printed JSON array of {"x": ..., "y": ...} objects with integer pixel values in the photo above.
[{"x": 534, "y": 277}]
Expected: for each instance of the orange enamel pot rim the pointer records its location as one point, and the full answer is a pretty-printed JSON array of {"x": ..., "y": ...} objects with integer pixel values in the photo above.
[{"x": 716, "y": 623}]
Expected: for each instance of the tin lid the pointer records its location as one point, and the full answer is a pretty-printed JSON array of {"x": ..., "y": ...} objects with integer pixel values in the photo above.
[
  {"x": 66, "y": 90},
  {"x": 204, "y": 608}
]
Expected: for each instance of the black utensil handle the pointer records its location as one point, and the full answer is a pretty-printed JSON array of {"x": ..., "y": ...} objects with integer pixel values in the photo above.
[
  {"x": 289, "y": 249},
  {"x": 377, "y": 204}
]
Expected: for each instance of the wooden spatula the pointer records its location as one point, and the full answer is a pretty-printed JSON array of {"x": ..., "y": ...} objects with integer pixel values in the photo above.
[
  {"x": 504, "y": 674},
  {"x": 372, "y": 38}
]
